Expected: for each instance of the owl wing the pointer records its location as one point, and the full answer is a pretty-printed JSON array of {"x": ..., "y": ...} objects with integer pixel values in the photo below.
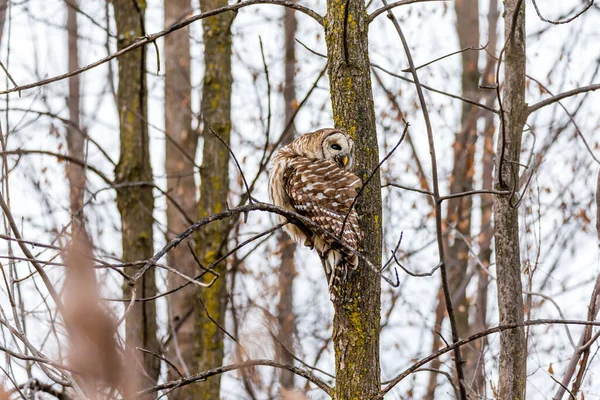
[{"x": 324, "y": 192}]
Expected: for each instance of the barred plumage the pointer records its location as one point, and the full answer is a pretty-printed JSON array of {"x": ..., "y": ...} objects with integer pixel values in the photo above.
[{"x": 311, "y": 177}]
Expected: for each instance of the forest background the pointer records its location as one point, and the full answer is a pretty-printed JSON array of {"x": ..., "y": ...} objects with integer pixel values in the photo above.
[{"x": 103, "y": 168}]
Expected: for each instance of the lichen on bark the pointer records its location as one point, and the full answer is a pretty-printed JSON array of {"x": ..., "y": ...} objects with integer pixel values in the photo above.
[
  {"x": 134, "y": 200},
  {"x": 209, "y": 311},
  {"x": 357, "y": 311}
]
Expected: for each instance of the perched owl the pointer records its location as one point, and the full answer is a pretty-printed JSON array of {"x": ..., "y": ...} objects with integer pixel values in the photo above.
[{"x": 311, "y": 176}]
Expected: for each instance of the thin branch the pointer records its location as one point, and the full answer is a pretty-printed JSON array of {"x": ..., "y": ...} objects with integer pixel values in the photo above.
[
  {"x": 537, "y": 10},
  {"x": 446, "y": 56},
  {"x": 169, "y": 363},
  {"x": 438, "y": 208},
  {"x": 569, "y": 93},
  {"x": 500, "y": 328},
  {"x": 232, "y": 367},
  {"x": 153, "y": 37},
  {"x": 431, "y": 89},
  {"x": 292, "y": 217},
  {"x": 395, "y": 4},
  {"x": 234, "y": 159},
  {"x": 366, "y": 182}
]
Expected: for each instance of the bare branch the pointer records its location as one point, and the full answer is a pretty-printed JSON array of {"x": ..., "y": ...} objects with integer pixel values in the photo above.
[
  {"x": 232, "y": 367},
  {"x": 152, "y": 37}
]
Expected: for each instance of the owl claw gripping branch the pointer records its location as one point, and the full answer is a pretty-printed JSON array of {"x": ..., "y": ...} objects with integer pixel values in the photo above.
[{"x": 311, "y": 176}]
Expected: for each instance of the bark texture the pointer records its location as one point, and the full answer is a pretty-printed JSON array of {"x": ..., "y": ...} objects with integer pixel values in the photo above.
[
  {"x": 181, "y": 143},
  {"x": 135, "y": 201},
  {"x": 357, "y": 310},
  {"x": 214, "y": 187},
  {"x": 75, "y": 135},
  {"x": 287, "y": 272},
  {"x": 513, "y": 355}
]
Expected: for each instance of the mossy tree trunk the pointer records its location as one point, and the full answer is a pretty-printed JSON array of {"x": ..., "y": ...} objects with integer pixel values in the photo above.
[
  {"x": 287, "y": 271},
  {"x": 357, "y": 310},
  {"x": 214, "y": 187},
  {"x": 513, "y": 352},
  {"x": 135, "y": 201},
  {"x": 181, "y": 143}
]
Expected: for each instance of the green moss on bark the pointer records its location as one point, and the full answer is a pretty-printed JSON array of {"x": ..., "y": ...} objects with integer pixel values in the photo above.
[
  {"x": 357, "y": 312},
  {"x": 214, "y": 188}
]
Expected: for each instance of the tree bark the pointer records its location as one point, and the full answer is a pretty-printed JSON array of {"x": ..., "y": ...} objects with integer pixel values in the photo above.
[
  {"x": 513, "y": 355},
  {"x": 214, "y": 187},
  {"x": 181, "y": 143},
  {"x": 357, "y": 308},
  {"x": 75, "y": 135},
  {"x": 135, "y": 201},
  {"x": 287, "y": 247}
]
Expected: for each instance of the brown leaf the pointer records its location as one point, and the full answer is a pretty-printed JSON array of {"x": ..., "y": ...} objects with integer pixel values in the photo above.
[
  {"x": 93, "y": 350},
  {"x": 550, "y": 369}
]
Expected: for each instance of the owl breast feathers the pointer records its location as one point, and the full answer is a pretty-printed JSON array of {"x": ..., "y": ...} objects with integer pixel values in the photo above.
[{"x": 311, "y": 177}]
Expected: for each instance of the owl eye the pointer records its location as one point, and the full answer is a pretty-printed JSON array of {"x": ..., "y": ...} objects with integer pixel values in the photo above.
[{"x": 336, "y": 146}]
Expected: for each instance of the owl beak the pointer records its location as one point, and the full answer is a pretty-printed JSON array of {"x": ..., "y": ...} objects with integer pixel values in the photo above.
[{"x": 345, "y": 160}]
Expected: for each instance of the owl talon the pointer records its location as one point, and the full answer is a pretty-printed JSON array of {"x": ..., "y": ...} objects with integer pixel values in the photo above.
[{"x": 309, "y": 243}]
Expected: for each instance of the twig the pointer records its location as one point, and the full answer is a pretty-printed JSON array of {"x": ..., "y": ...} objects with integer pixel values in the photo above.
[
  {"x": 431, "y": 89},
  {"x": 446, "y": 56},
  {"x": 169, "y": 363},
  {"x": 292, "y": 217},
  {"x": 250, "y": 200},
  {"x": 389, "y": 6},
  {"x": 537, "y": 10},
  {"x": 564, "y": 95},
  {"x": 366, "y": 181},
  {"x": 250, "y": 363},
  {"x": 152, "y": 37},
  {"x": 487, "y": 332}
]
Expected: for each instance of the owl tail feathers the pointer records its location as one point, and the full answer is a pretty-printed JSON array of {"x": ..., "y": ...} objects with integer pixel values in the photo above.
[{"x": 336, "y": 271}]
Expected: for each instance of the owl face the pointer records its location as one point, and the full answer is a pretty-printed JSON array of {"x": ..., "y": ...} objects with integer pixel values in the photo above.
[{"x": 339, "y": 147}]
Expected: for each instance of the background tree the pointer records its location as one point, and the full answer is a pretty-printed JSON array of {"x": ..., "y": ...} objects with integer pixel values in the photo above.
[
  {"x": 287, "y": 272},
  {"x": 513, "y": 352},
  {"x": 133, "y": 178},
  {"x": 417, "y": 78},
  {"x": 180, "y": 146},
  {"x": 210, "y": 304}
]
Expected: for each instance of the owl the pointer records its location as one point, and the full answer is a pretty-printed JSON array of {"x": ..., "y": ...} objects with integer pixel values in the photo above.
[{"x": 311, "y": 176}]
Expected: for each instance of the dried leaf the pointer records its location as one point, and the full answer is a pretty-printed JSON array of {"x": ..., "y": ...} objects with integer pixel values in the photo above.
[{"x": 93, "y": 351}]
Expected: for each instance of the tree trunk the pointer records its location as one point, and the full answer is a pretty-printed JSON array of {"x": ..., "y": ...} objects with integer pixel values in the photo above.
[
  {"x": 3, "y": 10},
  {"x": 513, "y": 355},
  {"x": 476, "y": 357},
  {"x": 214, "y": 187},
  {"x": 75, "y": 135},
  {"x": 287, "y": 271},
  {"x": 357, "y": 309},
  {"x": 135, "y": 201},
  {"x": 181, "y": 143},
  {"x": 461, "y": 180}
]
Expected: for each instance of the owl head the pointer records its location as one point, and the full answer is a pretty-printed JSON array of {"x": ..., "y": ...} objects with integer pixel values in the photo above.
[{"x": 329, "y": 144}]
